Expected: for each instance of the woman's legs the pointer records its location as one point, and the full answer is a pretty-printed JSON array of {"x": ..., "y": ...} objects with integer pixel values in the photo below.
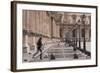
[{"x": 40, "y": 54}]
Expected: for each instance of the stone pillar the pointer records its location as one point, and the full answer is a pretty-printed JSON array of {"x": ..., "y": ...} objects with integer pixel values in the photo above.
[{"x": 26, "y": 45}]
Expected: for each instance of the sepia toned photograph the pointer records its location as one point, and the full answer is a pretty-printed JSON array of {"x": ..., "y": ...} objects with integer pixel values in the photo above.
[
  {"x": 55, "y": 36},
  {"x": 46, "y": 36}
]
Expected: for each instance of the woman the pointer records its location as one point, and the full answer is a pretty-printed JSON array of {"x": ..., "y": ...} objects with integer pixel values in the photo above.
[{"x": 39, "y": 45}]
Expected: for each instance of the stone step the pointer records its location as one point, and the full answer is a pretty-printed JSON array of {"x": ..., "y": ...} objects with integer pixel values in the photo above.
[{"x": 60, "y": 53}]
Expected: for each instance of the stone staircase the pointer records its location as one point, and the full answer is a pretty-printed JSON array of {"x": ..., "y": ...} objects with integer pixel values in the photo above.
[{"x": 60, "y": 53}]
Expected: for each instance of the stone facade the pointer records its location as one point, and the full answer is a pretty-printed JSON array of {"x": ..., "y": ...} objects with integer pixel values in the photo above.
[
  {"x": 42, "y": 23},
  {"x": 36, "y": 24}
]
